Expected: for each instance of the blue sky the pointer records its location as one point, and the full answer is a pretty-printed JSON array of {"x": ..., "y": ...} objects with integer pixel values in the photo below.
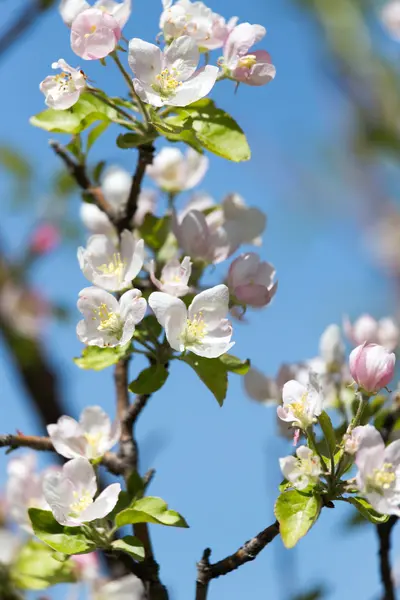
[{"x": 219, "y": 467}]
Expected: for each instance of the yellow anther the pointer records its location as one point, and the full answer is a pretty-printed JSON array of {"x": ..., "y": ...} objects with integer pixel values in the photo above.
[
  {"x": 248, "y": 61},
  {"x": 195, "y": 330},
  {"x": 81, "y": 504},
  {"x": 167, "y": 82},
  {"x": 115, "y": 267},
  {"x": 109, "y": 320},
  {"x": 91, "y": 31},
  {"x": 382, "y": 479},
  {"x": 93, "y": 439}
]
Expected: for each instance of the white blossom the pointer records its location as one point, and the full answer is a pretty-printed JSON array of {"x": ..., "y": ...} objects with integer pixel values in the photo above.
[
  {"x": 70, "y": 9},
  {"x": 384, "y": 332},
  {"x": 63, "y": 90},
  {"x": 361, "y": 437},
  {"x": 109, "y": 264},
  {"x": 127, "y": 588},
  {"x": 170, "y": 77},
  {"x": 174, "y": 277},
  {"x": 202, "y": 328},
  {"x": 390, "y": 17},
  {"x": 175, "y": 172},
  {"x": 261, "y": 388},
  {"x": 91, "y": 438},
  {"x": 108, "y": 322},
  {"x": 200, "y": 239},
  {"x": 303, "y": 470},
  {"x": 70, "y": 494},
  {"x": 378, "y": 477},
  {"x": 301, "y": 404},
  {"x": 331, "y": 346}
]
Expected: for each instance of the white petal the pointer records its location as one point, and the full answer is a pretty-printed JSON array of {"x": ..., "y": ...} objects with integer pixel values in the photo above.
[
  {"x": 292, "y": 391},
  {"x": 81, "y": 473},
  {"x": 116, "y": 185},
  {"x": 103, "y": 505},
  {"x": 94, "y": 420},
  {"x": 69, "y": 9},
  {"x": 175, "y": 323},
  {"x": 132, "y": 254},
  {"x": 195, "y": 88},
  {"x": 182, "y": 57},
  {"x": 197, "y": 166},
  {"x": 212, "y": 303},
  {"x": 147, "y": 94},
  {"x": 145, "y": 60},
  {"x": 91, "y": 298},
  {"x": 58, "y": 492},
  {"x": 132, "y": 304},
  {"x": 162, "y": 305},
  {"x": 287, "y": 465},
  {"x": 67, "y": 438},
  {"x": 95, "y": 220}
]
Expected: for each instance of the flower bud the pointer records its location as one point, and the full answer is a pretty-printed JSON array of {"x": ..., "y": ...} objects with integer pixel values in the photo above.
[
  {"x": 94, "y": 34},
  {"x": 372, "y": 367},
  {"x": 251, "y": 280},
  {"x": 45, "y": 239}
]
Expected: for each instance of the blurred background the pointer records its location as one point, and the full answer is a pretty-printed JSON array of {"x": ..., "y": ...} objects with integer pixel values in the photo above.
[{"x": 325, "y": 137}]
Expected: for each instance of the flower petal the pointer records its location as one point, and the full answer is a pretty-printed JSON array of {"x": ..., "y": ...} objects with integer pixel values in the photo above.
[
  {"x": 162, "y": 304},
  {"x": 182, "y": 57},
  {"x": 195, "y": 88},
  {"x": 81, "y": 473},
  {"x": 103, "y": 505},
  {"x": 212, "y": 303},
  {"x": 132, "y": 254},
  {"x": 145, "y": 60}
]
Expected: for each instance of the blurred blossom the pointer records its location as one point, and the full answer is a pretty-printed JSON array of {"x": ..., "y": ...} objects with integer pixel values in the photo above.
[
  {"x": 127, "y": 588},
  {"x": 87, "y": 566},
  {"x": 70, "y": 9},
  {"x": 243, "y": 224},
  {"x": 24, "y": 489},
  {"x": 175, "y": 172},
  {"x": 45, "y": 238},
  {"x": 252, "y": 281},
  {"x": 23, "y": 310},
  {"x": 390, "y": 16},
  {"x": 383, "y": 239},
  {"x": 361, "y": 437},
  {"x": 261, "y": 388},
  {"x": 331, "y": 347},
  {"x": 366, "y": 329},
  {"x": 9, "y": 546}
]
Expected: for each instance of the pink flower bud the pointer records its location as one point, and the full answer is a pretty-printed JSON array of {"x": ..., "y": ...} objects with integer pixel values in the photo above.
[
  {"x": 372, "y": 367},
  {"x": 45, "y": 238},
  {"x": 251, "y": 280},
  {"x": 94, "y": 34}
]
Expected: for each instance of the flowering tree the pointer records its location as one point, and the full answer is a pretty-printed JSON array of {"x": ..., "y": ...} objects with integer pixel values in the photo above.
[{"x": 148, "y": 295}]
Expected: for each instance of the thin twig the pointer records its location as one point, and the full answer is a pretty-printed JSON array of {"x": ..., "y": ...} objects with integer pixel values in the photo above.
[
  {"x": 44, "y": 444},
  {"x": 207, "y": 571},
  {"x": 384, "y": 530}
]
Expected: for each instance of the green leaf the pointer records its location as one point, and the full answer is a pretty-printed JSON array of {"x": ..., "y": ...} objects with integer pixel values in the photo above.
[
  {"x": 68, "y": 540},
  {"x": 154, "y": 231},
  {"x": 131, "y": 545},
  {"x": 150, "y": 510},
  {"x": 135, "y": 486},
  {"x": 212, "y": 372},
  {"x": 97, "y": 358},
  {"x": 215, "y": 129},
  {"x": 133, "y": 140},
  {"x": 37, "y": 568},
  {"x": 148, "y": 328},
  {"x": 366, "y": 510},
  {"x": 328, "y": 431},
  {"x": 86, "y": 111},
  {"x": 296, "y": 513},
  {"x": 234, "y": 364},
  {"x": 150, "y": 380},
  {"x": 95, "y": 133}
]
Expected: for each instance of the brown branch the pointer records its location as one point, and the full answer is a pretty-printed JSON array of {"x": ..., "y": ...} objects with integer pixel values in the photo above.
[
  {"x": 44, "y": 444},
  {"x": 384, "y": 531},
  {"x": 207, "y": 571}
]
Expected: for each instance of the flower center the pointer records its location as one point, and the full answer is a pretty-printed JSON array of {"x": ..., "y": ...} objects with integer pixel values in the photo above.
[
  {"x": 381, "y": 479},
  {"x": 92, "y": 30},
  {"x": 65, "y": 82},
  {"x": 310, "y": 466},
  {"x": 114, "y": 268},
  {"x": 298, "y": 408},
  {"x": 109, "y": 320},
  {"x": 247, "y": 62},
  {"x": 93, "y": 439},
  {"x": 167, "y": 83},
  {"x": 195, "y": 330},
  {"x": 82, "y": 501}
]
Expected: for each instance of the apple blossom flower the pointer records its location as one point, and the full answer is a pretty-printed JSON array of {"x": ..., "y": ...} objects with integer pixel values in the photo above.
[
  {"x": 128, "y": 587},
  {"x": 174, "y": 277},
  {"x": 251, "y": 281},
  {"x": 70, "y": 494},
  {"x": 201, "y": 240},
  {"x": 87, "y": 566},
  {"x": 45, "y": 238},
  {"x": 367, "y": 329},
  {"x": 63, "y": 90},
  {"x": 243, "y": 224},
  {"x": 303, "y": 470},
  {"x": 23, "y": 309},
  {"x": 362, "y": 437},
  {"x": 255, "y": 67},
  {"x": 301, "y": 404},
  {"x": 174, "y": 172},
  {"x": 378, "y": 477},
  {"x": 109, "y": 264},
  {"x": 91, "y": 438},
  {"x": 106, "y": 321},
  {"x": 372, "y": 367},
  {"x": 331, "y": 347},
  {"x": 24, "y": 489},
  {"x": 390, "y": 16},
  {"x": 261, "y": 388},
  {"x": 170, "y": 77},
  {"x": 202, "y": 328},
  {"x": 208, "y": 29},
  {"x": 70, "y": 9},
  {"x": 94, "y": 34}
]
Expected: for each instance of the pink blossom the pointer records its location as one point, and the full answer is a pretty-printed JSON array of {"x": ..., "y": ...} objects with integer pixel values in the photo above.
[
  {"x": 367, "y": 329},
  {"x": 372, "y": 367},
  {"x": 251, "y": 280},
  {"x": 45, "y": 238},
  {"x": 94, "y": 34},
  {"x": 254, "y": 68}
]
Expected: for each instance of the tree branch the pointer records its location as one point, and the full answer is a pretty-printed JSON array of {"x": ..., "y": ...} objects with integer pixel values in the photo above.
[
  {"x": 246, "y": 553},
  {"x": 384, "y": 531}
]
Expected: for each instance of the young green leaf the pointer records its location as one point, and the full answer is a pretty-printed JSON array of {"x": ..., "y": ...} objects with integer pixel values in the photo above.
[
  {"x": 150, "y": 510},
  {"x": 296, "y": 513},
  {"x": 131, "y": 545},
  {"x": 328, "y": 431},
  {"x": 234, "y": 364},
  {"x": 366, "y": 510},
  {"x": 96, "y": 358},
  {"x": 36, "y": 568},
  {"x": 67, "y": 540},
  {"x": 133, "y": 140},
  {"x": 154, "y": 231},
  {"x": 212, "y": 372},
  {"x": 150, "y": 380}
]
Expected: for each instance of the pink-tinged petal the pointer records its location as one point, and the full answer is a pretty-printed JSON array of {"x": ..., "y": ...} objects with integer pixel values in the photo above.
[
  {"x": 145, "y": 60},
  {"x": 119, "y": 10},
  {"x": 103, "y": 505},
  {"x": 284, "y": 414},
  {"x": 253, "y": 295},
  {"x": 261, "y": 73},
  {"x": 240, "y": 40},
  {"x": 94, "y": 34},
  {"x": 195, "y": 88}
]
